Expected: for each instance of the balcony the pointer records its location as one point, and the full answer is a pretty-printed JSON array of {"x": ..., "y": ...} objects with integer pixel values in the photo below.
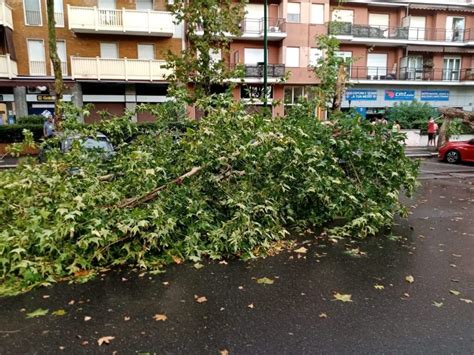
[
  {"x": 119, "y": 69},
  {"x": 253, "y": 73},
  {"x": 410, "y": 75},
  {"x": 8, "y": 67},
  {"x": 348, "y": 32},
  {"x": 6, "y": 18},
  {"x": 124, "y": 21},
  {"x": 252, "y": 29}
]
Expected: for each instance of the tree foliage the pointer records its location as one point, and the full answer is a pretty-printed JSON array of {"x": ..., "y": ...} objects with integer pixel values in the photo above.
[
  {"x": 413, "y": 114},
  {"x": 256, "y": 178},
  {"x": 210, "y": 24}
]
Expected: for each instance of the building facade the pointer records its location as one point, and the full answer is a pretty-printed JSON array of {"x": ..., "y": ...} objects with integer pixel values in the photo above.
[{"x": 113, "y": 52}]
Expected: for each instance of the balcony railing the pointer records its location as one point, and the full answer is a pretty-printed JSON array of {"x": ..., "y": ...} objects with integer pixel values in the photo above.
[
  {"x": 401, "y": 33},
  {"x": 8, "y": 67},
  {"x": 135, "y": 22},
  {"x": 273, "y": 71},
  {"x": 253, "y": 28},
  {"x": 6, "y": 18},
  {"x": 38, "y": 67},
  {"x": 119, "y": 69},
  {"x": 255, "y": 25},
  {"x": 411, "y": 74}
]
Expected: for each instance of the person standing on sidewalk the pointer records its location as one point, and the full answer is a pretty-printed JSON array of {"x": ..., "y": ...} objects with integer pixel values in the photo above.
[{"x": 431, "y": 132}]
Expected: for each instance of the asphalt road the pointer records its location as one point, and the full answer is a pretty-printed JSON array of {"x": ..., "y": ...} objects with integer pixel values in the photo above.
[{"x": 297, "y": 314}]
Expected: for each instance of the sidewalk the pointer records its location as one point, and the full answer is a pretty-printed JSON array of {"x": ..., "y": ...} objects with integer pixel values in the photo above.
[{"x": 421, "y": 152}]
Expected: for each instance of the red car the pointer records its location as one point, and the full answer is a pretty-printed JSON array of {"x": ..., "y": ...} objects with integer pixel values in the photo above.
[{"x": 455, "y": 152}]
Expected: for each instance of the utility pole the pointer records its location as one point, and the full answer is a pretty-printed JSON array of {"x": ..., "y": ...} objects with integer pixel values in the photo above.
[{"x": 265, "y": 52}]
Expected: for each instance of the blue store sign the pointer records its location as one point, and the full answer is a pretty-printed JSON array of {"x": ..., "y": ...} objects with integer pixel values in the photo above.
[
  {"x": 435, "y": 95},
  {"x": 361, "y": 95},
  {"x": 399, "y": 95}
]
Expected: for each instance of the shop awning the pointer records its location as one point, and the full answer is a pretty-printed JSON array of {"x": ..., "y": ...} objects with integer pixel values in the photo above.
[{"x": 440, "y": 49}]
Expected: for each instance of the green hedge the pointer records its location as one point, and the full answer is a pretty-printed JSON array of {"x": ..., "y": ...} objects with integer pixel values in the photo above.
[
  {"x": 31, "y": 119},
  {"x": 14, "y": 133}
]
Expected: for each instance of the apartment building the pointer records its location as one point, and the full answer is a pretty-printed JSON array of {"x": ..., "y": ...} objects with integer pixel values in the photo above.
[
  {"x": 111, "y": 52},
  {"x": 403, "y": 50}
]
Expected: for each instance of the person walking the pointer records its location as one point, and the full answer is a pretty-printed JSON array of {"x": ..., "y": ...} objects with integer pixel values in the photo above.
[
  {"x": 48, "y": 128},
  {"x": 396, "y": 127},
  {"x": 431, "y": 131}
]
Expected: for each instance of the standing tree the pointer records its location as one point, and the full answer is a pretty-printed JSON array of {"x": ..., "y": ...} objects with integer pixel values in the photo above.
[
  {"x": 331, "y": 70},
  {"x": 56, "y": 61},
  {"x": 209, "y": 26}
]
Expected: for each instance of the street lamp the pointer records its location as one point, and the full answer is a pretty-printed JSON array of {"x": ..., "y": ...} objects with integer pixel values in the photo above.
[{"x": 265, "y": 52}]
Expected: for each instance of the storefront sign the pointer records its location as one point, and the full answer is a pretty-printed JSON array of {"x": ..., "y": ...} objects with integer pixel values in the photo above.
[
  {"x": 435, "y": 95},
  {"x": 399, "y": 95},
  {"x": 45, "y": 97},
  {"x": 361, "y": 95},
  {"x": 362, "y": 111}
]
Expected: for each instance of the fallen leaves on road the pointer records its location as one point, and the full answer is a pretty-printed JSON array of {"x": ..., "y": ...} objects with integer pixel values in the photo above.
[
  {"x": 160, "y": 317},
  {"x": 126, "y": 319},
  {"x": 198, "y": 266},
  {"x": 200, "y": 299},
  {"x": 177, "y": 259},
  {"x": 410, "y": 279},
  {"x": 224, "y": 352},
  {"x": 379, "y": 287},
  {"x": 301, "y": 250},
  {"x": 87, "y": 318},
  {"x": 465, "y": 300},
  {"x": 265, "y": 281},
  {"x": 59, "y": 312},
  {"x": 37, "y": 313},
  {"x": 437, "y": 304},
  {"x": 454, "y": 292},
  {"x": 105, "y": 340},
  {"x": 323, "y": 315},
  {"x": 251, "y": 306},
  {"x": 342, "y": 297}
]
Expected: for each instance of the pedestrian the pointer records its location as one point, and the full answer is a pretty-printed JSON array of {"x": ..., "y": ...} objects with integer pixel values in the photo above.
[
  {"x": 396, "y": 127},
  {"x": 431, "y": 131},
  {"x": 48, "y": 128}
]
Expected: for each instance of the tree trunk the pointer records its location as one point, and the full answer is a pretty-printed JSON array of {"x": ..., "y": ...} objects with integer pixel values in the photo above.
[
  {"x": 340, "y": 84},
  {"x": 442, "y": 137},
  {"x": 56, "y": 61}
]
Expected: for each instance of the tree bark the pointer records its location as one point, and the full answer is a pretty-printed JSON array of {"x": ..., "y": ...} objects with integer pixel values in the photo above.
[
  {"x": 340, "y": 84},
  {"x": 56, "y": 62}
]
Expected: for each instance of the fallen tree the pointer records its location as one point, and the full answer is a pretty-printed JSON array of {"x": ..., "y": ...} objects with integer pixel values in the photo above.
[
  {"x": 227, "y": 186},
  {"x": 449, "y": 114}
]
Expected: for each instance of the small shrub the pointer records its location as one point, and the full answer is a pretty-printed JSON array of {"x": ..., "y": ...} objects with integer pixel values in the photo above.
[
  {"x": 31, "y": 119},
  {"x": 412, "y": 115},
  {"x": 14, "y": 133}
]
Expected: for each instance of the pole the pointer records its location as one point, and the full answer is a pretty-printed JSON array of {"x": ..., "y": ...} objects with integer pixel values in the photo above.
[{"x": 265, "y": 52}]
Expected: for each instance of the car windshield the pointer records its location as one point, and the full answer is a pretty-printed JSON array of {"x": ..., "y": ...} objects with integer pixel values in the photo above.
[{"x": 99, "y": 143}]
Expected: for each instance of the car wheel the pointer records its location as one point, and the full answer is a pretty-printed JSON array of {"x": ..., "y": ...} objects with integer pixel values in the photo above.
[{"x": 453, "y": 157}]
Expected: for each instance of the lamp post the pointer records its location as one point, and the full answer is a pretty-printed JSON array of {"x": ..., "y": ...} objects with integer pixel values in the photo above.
[{"x": 265, "y": 52}]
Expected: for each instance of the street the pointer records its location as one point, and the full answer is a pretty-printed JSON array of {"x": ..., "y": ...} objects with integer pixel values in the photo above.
[{"x": 411, "y": 291}]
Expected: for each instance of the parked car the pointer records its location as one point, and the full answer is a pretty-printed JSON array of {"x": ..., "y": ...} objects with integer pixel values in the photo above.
[
  {"x": 99, "y": 142},
  {"x": 455, "y": 152}
]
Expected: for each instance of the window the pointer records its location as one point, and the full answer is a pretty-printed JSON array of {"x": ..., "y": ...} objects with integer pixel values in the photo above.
[
  {"x": 146, "y": 51},
  {"x": 317, "y": 14},
  {"x": 380, "y": 23},
  {"x": 59, "y": 13},
  {"x": 253, "y": 18},
  {"x": 106, "y": 4},
  {"x": 32, "y": 12},
  {"x": 314, "y": 55},
  {"x": 347, "y": 57},
  {"x": 451, "y": 68},
  {"x": 253, "y": 55},
  {"x": 417, "y": 27},
  {"x": 293, "y": 12},
  {"x": 216, "y": 55},
  {"x": 36, "y": 57},
  {"x": 455, "y": 29},
  {"x": 109, "y": 50},
  {"x": 376, "y": 66},
  {"x": 292, "y": 57},
  {"x": 343, "y": 16},
  {"x": 144, "y": 5},
  {"x": 295, "y": 93},
  {"x": 61, "y": 47}
]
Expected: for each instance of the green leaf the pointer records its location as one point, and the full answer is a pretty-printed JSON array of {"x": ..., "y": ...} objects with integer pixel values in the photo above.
[
  {"x": 40, "y": 312},
  {"x": 59, "y": 312},
  {"x": 265, "y": 281}
]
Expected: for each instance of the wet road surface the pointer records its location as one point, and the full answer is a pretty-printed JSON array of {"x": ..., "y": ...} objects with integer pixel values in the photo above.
[{"x": 295, "y": 314}]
